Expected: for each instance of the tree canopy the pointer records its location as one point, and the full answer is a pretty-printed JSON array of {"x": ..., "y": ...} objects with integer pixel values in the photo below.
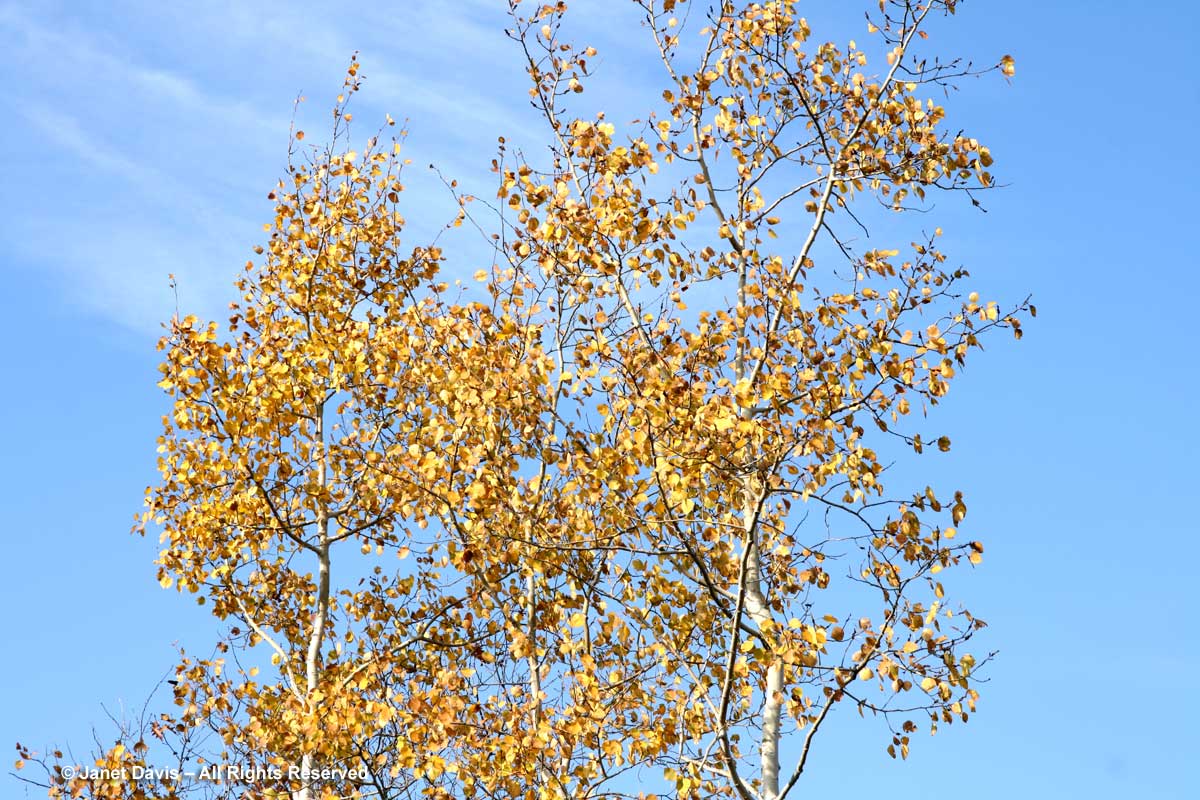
[{"x": 611, "y": 518}]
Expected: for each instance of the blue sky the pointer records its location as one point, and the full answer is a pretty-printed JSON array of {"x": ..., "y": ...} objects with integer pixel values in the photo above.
[{"x": 142, "y": 138}]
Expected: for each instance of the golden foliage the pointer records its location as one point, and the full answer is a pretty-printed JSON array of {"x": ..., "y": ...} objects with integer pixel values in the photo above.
[{"x": 519, "y": 543}]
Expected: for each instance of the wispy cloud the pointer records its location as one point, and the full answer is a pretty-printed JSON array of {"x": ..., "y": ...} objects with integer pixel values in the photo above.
[
  {"x": 148, "y": 134},
  {"x": 64, "y": 130}
]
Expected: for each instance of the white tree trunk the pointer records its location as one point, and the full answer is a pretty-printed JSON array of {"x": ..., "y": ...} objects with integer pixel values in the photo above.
[
  {"x": 312, "y": 658},
  {"x": 757, "y": 609}
]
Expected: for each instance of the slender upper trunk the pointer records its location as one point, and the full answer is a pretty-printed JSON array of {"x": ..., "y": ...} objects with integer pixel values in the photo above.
[
  {"x": 535, "y": 677},
  {"x": 312, "y": 657},
  {"x": 757, "y": 610}
]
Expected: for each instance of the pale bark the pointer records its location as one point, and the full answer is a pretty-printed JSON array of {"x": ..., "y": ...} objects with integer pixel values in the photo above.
[
  {"x": 757, "y": 610},
  {"x": 535, "y": 677},
  {"x": 312, "y": 658}
]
